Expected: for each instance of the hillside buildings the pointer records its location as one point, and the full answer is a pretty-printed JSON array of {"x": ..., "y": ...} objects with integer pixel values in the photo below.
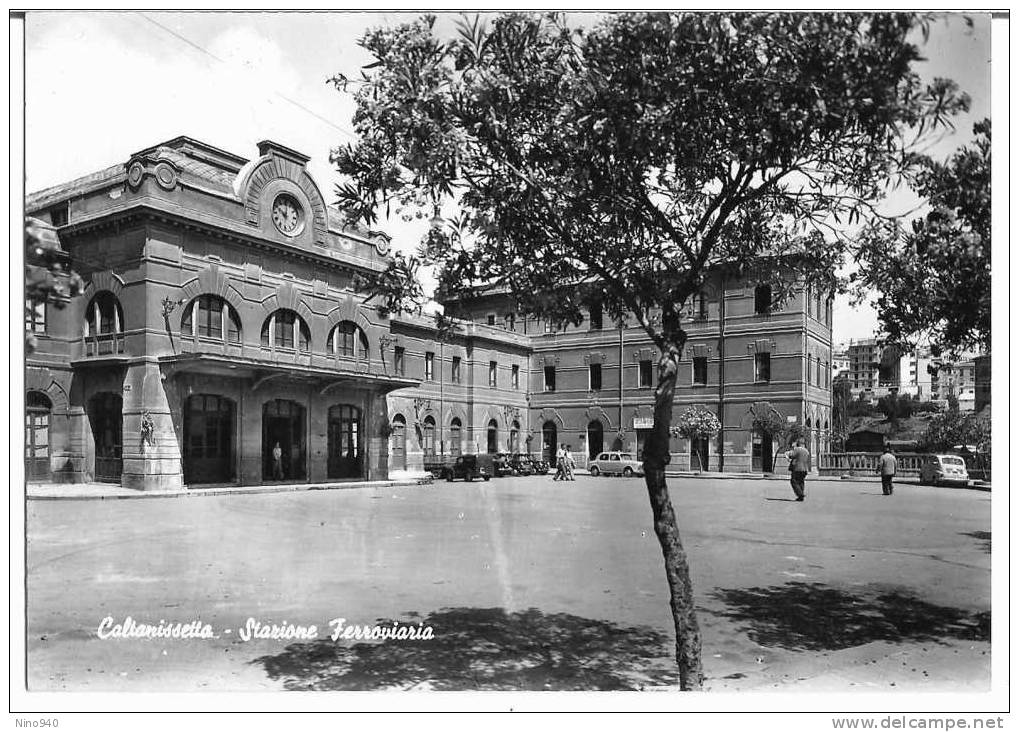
[{"x": 220, "y": 340}]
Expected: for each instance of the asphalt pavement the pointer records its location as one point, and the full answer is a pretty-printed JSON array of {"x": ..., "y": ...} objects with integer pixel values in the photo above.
[{"x": 526, "y": 582}]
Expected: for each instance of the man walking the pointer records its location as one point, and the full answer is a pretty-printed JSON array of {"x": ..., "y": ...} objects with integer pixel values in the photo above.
[
  {"x": 568, "y": 463},
  {"x": 560, "y": 465},
  {"x": 886, "y": 466},
  {"x": 277, "y": 462},
  {"x": 799, "y": 466}
]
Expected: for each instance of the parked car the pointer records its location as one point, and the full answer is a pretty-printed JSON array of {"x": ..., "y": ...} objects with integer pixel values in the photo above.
[
  {"x": 501, "y": 464},
  {"x": 521, "y": 464},
  {"x": 615, "y": 463},
  {"x": 470, "y": 467},
  {"x": 938, "y": 469}
]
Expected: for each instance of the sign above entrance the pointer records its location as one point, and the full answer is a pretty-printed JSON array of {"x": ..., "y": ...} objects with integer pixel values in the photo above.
[{"x": 643, "y": 423}]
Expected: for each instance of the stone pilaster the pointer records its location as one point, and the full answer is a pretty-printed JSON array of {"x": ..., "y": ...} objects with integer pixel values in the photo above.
[{"x": 151, "y": 458}]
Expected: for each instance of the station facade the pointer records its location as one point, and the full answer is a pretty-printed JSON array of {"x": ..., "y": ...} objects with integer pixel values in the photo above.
[{"x": 220, "y": 340}]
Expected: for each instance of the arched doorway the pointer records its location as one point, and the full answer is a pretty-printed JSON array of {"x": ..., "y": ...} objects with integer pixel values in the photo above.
[
  {"x": 208, "y": 439},
  {"x": 283, "y": 425},
  {"x": 455, "y": 436},
  {"x": 595, "y": 439},
  {"x": 428, "y": 433},
  {"x": 398, "y": 444},
  {"x": 514, "y": 437},
  {"x": 493, "y": 437},
  {"x": 549, "y": 442},
  {"x": 762, "y": 455},
  {"x": 346, "y": 450},
  {"x": 37, "y": 436},
  {"x": 106, "y": 417}
]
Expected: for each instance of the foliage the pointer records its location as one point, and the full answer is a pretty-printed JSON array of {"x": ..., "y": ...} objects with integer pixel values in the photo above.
[
  {"x": 633, "y": 156},
  {"x": 697, "y": 423},
  {"x": 895, "y": 407},
  {"x": 48, "y": 277},
  {"x": 934, "y": 276},
  {"x": 840, "y": 399},
  {"x": 860, "y": 407},
  {"x": 951, "y": 428},
  {"x": 766, "y": 419},
  {"x": 795, "y": 431}
]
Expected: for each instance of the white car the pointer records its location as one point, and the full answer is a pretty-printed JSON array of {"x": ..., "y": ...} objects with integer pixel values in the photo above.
[
  {"x": 616, "y": 463},
  {"x": 938, "y": 469}
]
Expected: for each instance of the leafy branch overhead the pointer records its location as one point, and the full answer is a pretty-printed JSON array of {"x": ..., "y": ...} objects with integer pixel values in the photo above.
[{"x": 630, "y": 157}]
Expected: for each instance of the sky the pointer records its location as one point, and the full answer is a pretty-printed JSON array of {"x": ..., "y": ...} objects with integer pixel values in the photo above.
[{"x": 100, "y": 86}]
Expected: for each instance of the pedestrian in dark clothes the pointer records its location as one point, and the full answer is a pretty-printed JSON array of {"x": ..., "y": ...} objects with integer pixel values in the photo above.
[
  {"x": 799, "y": 466},
  {"x": 886, "y": 466}
]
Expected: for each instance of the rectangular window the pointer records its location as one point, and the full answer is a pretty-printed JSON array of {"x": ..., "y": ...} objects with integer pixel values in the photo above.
[
  {"x": 645, "y": 374},
  {"x": 700, "y": 370},
  {"x": 596, "y": 319},
  {"x": 455, "y": 370},
  {"x": 58, "y": 215},
  {"x": 511, "y": 321},
  {"x": 398, "y": 360},
  {"x": 284, "y": 336},
  {"x": 491, "y": 318},
  {"x": 35, "y": 315},
  {"x": 210, "y": 317},
  {"x": 549, "y": 326},
  {"x": 762, "y": 367},
  {"x": 594, "y": 377},
  {"x": 550, "y": 378},
  {"x": 701, "y": 307},
  {"x": 515, "y": 376},
  {"x": 429, "y": 366},
  {"x": 493, "y": 374},
  {"x": 762, "y": 299}
]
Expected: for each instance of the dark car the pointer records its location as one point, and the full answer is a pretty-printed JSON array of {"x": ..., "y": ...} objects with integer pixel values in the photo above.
[
  {"x": 521, "y": 464},
  {"x": 501, "y": 464},
  {"x": 470, "y": 467}
]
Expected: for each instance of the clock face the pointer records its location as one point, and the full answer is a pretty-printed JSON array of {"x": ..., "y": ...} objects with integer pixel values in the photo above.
[{"x": 286, "y": 214}]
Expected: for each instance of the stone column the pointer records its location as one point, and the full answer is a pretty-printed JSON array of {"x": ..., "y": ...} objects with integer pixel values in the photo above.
[
  {"x": 376, "y": 445},
  {"x": 149, "y": 464}
]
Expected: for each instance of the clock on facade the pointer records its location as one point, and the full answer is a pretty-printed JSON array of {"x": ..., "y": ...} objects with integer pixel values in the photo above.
[{"x": 287, "y": 215}]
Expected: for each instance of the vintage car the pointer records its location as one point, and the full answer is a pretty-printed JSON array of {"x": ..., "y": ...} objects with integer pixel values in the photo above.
[
  {"x": 501, "y": 464},
  {"x": 521, "y": 464},
  {"x": 616, "y": 463},
  {"x": 469, "y": 467},
  {"x": 940, "y": 469}
]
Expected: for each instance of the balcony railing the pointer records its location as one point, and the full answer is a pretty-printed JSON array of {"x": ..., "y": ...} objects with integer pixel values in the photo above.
[
  {"x": 866, "y": 463},
  {"x": 107, "y": 344}
]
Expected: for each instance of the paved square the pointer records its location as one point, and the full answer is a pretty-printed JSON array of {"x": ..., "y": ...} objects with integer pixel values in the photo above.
[{"x": 528, "y": 583}]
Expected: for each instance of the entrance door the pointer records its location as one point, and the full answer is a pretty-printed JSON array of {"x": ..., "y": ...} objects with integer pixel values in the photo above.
[
  {"x": 595, "y": 439},
  {"x": 106, "y": 416},
  {"x": 208, "y": 439},
  {"x": 762, "y": 457},
  {"x": 283, "y": 426},
  {"x": 549, "y": 442},
  {"x": 398, "y": 444},
  {"x": 37, "y": 436},
  {"x": 346, "y": 456},
  {"x": 493, "y": 437}
]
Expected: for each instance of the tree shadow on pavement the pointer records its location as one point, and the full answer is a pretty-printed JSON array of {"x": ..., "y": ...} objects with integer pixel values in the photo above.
[
  {"x": 983, "y": 536},
  {"x": 814, "y": 617},
  {"x": 485, "y": 649}
]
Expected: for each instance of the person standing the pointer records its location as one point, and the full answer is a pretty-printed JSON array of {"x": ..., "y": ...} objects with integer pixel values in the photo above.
[
  {"x": 277, "y": 462},
  {"x": 799, "y": 466},
  {"x": 886, "y": 466}
]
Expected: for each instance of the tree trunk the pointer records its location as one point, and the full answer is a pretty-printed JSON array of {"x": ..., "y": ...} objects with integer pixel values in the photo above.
[{"x": 677, "y": 572}]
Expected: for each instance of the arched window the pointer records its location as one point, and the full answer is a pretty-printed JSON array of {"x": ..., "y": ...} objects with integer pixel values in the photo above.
[
  {"x": 514, "y": 437},
  {"x": 493, "y": 437},
  {"x": 284, "y": 329},
  {"x": 429, "y": 436},
  {"x": 210, "y": 316},
  {"x": 345, "y": 338},
  {"x": 104, "y": 316},
  {"x": 455, "y": 436}
]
